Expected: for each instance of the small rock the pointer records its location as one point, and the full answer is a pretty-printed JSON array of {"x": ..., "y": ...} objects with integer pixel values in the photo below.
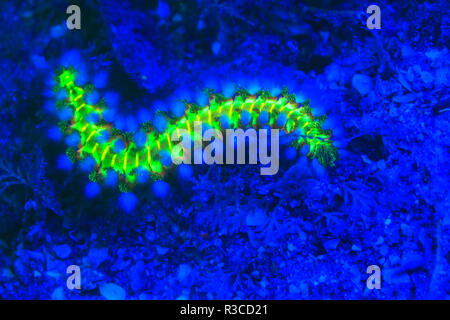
[
  {"x": 53, "y": 263},
  {"x": 394, "y": 259},
  {"x": 303, "y": 237},
  {"x": 57, "y": 31},
  {"x": 216, "y": 47},
  {"x": 381, "y": 164},
  {"x": 145, "y": 296},
  {"x": 6, "y": 273},
  {"x": 256, "y": 219},
  {"x": 380, "y": 240},
  {"x": 404, "y": 98},
  {"x": 217, "y": 242},
  {"x": 384, "y": 250},
  {"x": 293, "y": 289},
  {"x": 331, "y": 244},
  {"x": 183, "y": 271},
  {"x": 30, "y": 205},
  {"x": 433, "y": 54},
  {"x": 58, "y": 294},
  {"x": 177, "y": 18},
  {"x": 112, "y": 291},
  {"x": 184, "y": 295},
  {"x": 137, "y": 276},
  {"x": 362, "y": 83},
  {"x": 54, "y": 275},
  {"x": 62, "y": 251},
  {"x": 404, "y": 279},
  {"x": 163, "y": 10},
  {"x": 442, "y": 75},
  {"x": 201, "y": 25},
  {"x": 161, "y": 250},
  {"x": 427, "y": 77},
  {"x": 304, "y": 289},
  {"x": 407, "y": 51},
  {"x": 411, "y": 261},
  {"x": 97, "y": 255},
  {"x": 420, "y": 137}
]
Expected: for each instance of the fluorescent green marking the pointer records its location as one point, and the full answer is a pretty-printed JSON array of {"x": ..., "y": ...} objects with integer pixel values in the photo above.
[
  {"x": 290, "y": 112},
  {"x": 231, "y": 111},
  {"x": 125, "y": 162},
  {"x": 95, "y": 147},
  {"x": 168, "y": 140},
  {"x": 149, "y": 157},
  {"x": 85, "y": 127},
  {"x": 91, "y": 135},
  {"x": 80, "y": 107},
  {"x": 104, "y": 153},
  {"x": 188, "y": 126},
  {"x": 251, "y": 107},
  {"x": 271, "y": 109}
]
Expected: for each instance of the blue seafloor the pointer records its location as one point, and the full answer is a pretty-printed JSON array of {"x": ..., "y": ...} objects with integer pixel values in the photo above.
[{"x": 226, "y": 232}]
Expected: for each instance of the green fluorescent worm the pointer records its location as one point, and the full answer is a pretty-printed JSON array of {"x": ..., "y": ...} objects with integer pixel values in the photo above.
[{"x": 297, "y": 119}]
